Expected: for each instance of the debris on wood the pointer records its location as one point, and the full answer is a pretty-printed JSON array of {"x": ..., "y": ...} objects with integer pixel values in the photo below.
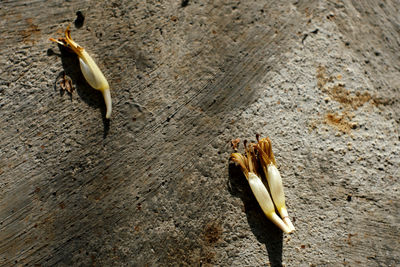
[{"x": 66, "y": 84}]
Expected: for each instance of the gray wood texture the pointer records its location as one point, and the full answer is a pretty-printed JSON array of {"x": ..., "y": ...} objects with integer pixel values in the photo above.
[{"x": 153, "y": 186}]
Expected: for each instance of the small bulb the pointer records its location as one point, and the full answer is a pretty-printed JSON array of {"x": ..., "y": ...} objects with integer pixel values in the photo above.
[{"x": 90, "y": 70}]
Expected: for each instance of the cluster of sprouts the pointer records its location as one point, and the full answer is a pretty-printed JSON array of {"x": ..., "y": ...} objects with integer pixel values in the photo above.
[{"x": 259, "y": 158}]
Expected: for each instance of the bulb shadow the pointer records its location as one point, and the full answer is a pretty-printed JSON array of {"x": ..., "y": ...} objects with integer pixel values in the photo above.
[
  {"x": 263, "y": 229},
  {"x": 90, "y": 96}
]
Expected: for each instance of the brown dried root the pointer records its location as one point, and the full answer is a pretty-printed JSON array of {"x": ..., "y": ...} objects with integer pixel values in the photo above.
[{"x": 66, "y": 84}]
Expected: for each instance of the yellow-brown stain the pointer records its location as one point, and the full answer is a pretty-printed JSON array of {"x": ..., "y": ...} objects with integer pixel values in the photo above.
[
  {"x": 349, "y": 236},
  {"x": 338, "y": 92},
  {"x": 341, "y": 122},
  {"x": 343, "y": 96},
  {"x": 348, "y": 101},
  {"x": 30, "y": 33},
  {"x": 212, "y": 233},
  {"x": 322, "y": 78}
]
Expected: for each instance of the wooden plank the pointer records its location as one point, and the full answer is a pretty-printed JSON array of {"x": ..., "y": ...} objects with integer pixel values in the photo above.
[{"x": 153, "y": 185}]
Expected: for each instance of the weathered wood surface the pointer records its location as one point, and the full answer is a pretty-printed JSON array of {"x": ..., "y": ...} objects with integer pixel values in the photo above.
[{"x": 153, "y": 186}]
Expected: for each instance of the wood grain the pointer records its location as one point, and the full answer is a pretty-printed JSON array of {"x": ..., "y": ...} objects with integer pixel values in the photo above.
[{"x": 153, "y": 185}]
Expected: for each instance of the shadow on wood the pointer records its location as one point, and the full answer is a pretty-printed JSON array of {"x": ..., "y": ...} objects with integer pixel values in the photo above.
[
  {"x": 89, "y": 95},
  {"x": 263, "y": 229}
]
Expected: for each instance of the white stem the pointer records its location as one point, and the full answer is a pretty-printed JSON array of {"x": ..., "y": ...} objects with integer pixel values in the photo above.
[
  {"x": 289, "y": 224},
  {"x": 285, "y": 216},
  {"x": 275, "y": 185},
  {"x": 107, "y": 100},
  {"x": 278, "y": 222},
  {"x": 265, "y": 201}
]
